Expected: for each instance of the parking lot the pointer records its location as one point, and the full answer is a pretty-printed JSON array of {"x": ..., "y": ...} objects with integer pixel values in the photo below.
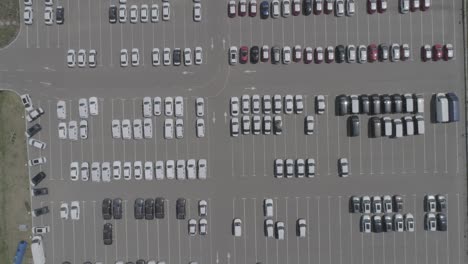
[{"x": 240, "y": 170}]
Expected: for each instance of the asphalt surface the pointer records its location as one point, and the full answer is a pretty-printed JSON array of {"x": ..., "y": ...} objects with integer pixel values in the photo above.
[{"x": 240, "y": 170}]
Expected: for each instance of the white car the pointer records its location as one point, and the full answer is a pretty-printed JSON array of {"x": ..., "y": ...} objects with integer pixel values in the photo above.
[
  {"x": 27, "y": 103},
  {"x": 154, "y": 13},
  {"x": 269, "y": 228},
  {"x": 137, "y": 129},
  {"x": 343, "y": 167},
  {"x": 48, "y": 16},
  {"x": 265, "y": 53},
  {"x": 187, "y": 56},
  {"x": 191, "y": 169},
  {"x": 34, "y": 114},
  {"x": 395, "y": 52},
  {"x": 203, "y": 227},
  {"x": 126, "y": 129},
  {"x": 116, "y": 129},
  {"x": 167, "y": 56},
  {"x": 245, "y": 104},
  {"x": 155, "y": 57},
  {"x": 286, "y": 55},
  {"x": 405, "y": 52},
  {"x": 169, "y": 128},
  {"x": 75, "y": 210},
  {"x": 37, "y": 143},
  {"x": 237, "y": 227},
  {"x": 147, "y": 128},
  {"x": 61, "y": 109},
  {"x": 301, "y": 227},
  {"x": 180, "y": 165},
  {"x": 96, "y": 172},
  {"x": 339, "y": 8},
  {"x": 74, "y": 171},
  {"x": 197, "y": 16},
  {"x": 117, "y": 170},
  {"x": 200, "y": 127},
  {"x": 309, "y": 125},
  {"x": 233, "y": 55},
  {"x": 288, "y": 104},
  {"x": 157, "y": 106},
  {"x": 166, "y": 13},
  {"x": 320, "y": 104},
  {"x": 179, "y": 124},
  {"x": 138, "y": 170},
  {"x": 200, "y": 106},
  {"x": 289, "y": 166},
  {"x": 202, "y": 208},
  {"x": 159, "y": 169},
  {"x": 279, "y": 230},
  {"x": 170, "y": 169},
  {"x": 255, "y": 104},
  {"x": 147, "y": 107},
  {"x": 298, "y": 104},
  {"x": 127, "y": 170},
  {"x": 266, "y": 103},
  {"x": 106, "y": 172},
  {"x": 202, "y": 169},
  {"x": 72, "y": 130},
  {"x": 37, "y": 161},
  {"x": 300, "y": 168},
  {"x": 234, "y": 126},
  {"x": 277, "y": 104},
  {"x": 93, "y": 106},
  {"x": 350, "y": 7},
  {"x": 64, "y": 211},
  {"x": 362, "y": 54},
  {"x": 310, "y": 168},
  {"x": 245, "y": 125},
  {"x": 83, "y": 129},
  {"x": 92, "y": 58},
  {"x": 198, "y": 55},
  {"x": 133, "y": 14},
  {"x": 122, "y": 13},
  {"x": 28, "y": 15},
  {"x": 279, "y": 168},
  {"x": 144, "y": 13},
  {"x": 256, "y": 124},
  {"x": 83, "y": 107},
  {"x": 268, "y": 207},
  {"x": 135, "y": 57},
  {"x": 234, "y": 106},
  {"x": 82, "y": 58},
  {"x": 168, "y": 106},
  {"x": 179, "y": 106},
  {"x": 275, "y": 8},
  {"x": 148, "y": 170},
  {"x": 267, "y": 124},
  {"x": 84, "y": 171},
  {"x": 123, "y": 57},
  {"x": 192, "y": 227}
]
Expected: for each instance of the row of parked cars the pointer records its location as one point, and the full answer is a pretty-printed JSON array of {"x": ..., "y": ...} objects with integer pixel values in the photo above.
[
  {"x": 28, "y": 14},
  {"x": 172, "y": 106},
  {"x": 447, "y": 108},
  {"x": 73, "y": 211},
  {"x": 387, "y": 223},
  {"x": 277, "y": 104},
  {"x": 290, "y": 167},
  {"x": 145, "y": 13},
  {"x": 376, "y": 204},
  {"x": 375, "y": 104},
  {"x": 177, "y": 56},
  {"x": 437, "y": 52},
  {"x": 386, "y": 126},
  {"x": 180, "y": 169},
  {"x": 70, "y": 131},
  {"x": 350, "y": 54},
  {"x": 82, "y": 59},
  {"x": 270, "y": 125}
]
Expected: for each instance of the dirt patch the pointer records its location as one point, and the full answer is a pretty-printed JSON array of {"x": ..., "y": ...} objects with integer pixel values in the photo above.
[
  {"x": 14, "y": 182},
  {"x": 10, "y": 17}
]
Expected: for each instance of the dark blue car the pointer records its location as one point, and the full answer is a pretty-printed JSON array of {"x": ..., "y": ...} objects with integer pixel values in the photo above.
[{"x": 264, "y": 10}]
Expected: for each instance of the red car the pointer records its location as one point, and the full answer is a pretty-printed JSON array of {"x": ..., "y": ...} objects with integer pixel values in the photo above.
[
  {"x": 383, "y": 4},
  {"x": 425, "y": 4},
  {"x": 372, "y": 53},
  {"x": 437, "y": 52},
  {"x": 242, "y": 8},
  {"x": 371, "y": 6},
  {"x": 243, "y": 54}
]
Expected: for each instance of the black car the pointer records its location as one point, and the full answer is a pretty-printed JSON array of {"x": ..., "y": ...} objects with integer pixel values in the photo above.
[
  {"x": 149, "y": 209},
  {"x": 38, "y": 178},
  {"x": 275, "y": 55},
  {"x": 33, "y": 130},
  {"x": 342, "y": 105},
  {"x": 397, "y": 101},
  {"x": 307, "y": 7},
  {"x": 441, "y": 202},
  {"x": 254, "y": 54},
  {"x": 264, "y": 9},
  {"x": 140, "y": 261},
  {"x": 386, "y": 104},
  {"x": 388, "y": 223},
  {"x": 441, "y": 222},
  {"x": 159, "y": 208},
  {"x": 340, "y": 54},
  {"x": 180, "y": 208},
  {"x": 59, "y": 15},
  {"x": 107, "y": 209},
  {"x": 353, "y": 126},
  {"x": 365, "y": 104},
  {"x": 139, "y": 208},
  {"x": 375, "y": 127},
  {"x": 176, "y": 57},
  {"x": 454, "y": 107},
  {"x": 355, "y": 204},
  {"x": 397, "y": 203},
  {"x": 107, "y": 234},
  {"x": 40, "y": 191},
  {"x": 375, "y": 104},
  {"x": 377, "y": 224},
  {"x": 112, "y": 14},
  {"x": 117, "y": 208},
  {"x": 41, "y": 211},
  {"x": 278, "y": 126}
]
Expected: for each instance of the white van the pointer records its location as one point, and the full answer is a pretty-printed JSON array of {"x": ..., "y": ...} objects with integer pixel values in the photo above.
[
  {"x": 419, "y": 103},
  {"x": 409, "y": 125},
  {"x": 419, "y": 120},
  {"x": 441, "y": 108},
  {"x": 387, "y": 121},
  {"x": 37, "y": 249},
  {"x": 397, "y": 128}
]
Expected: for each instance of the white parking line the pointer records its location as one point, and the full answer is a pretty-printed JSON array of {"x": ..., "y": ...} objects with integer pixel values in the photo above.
[
  {"x": 287, "y": 237},
  {"x": 50, "y": 143},
  {"x": 318, "y": 228},
  {"x": 458, "y": 228},
  {"x": 339, "y": 220},
  {"x": 443, "y": 28},
  {"x": 445, "y": 146},
  {"x": 147, "y": 241},
  {"x": 37, "y": 28},
  {"x": 74, "y": 241},
  {"x": 432, "y": 25},
  {"x": 79, "y": 25},
  {"x": 435, "y": 148},
  {"x": 245, "y": 232},
  {"x": 297, "y": 238},
  {"x": 308, "y": 231},
  {"x": 454, "y": 29},
  {"x": 328, "y": 142},
  {"x": 137, "y": 240},
  {"x": 102, "y": 127},
  {"x": 53, "y": 227},
  {"x": 329, "y": 234},
  {"x": 325, "y": 30},
  {"x": 422, "y": 35},
  {"x": 378, "y": 27},
  {"x": 411, "y": 31},
  {"x": 84, "y": 230},
  {"x": 100, "y": 34},
  {"x": 168, "y": 234},
  {"x": 126, "y": 230},
  {"x": 255, "y": 227},
  {"x": 94, "y": 225}
]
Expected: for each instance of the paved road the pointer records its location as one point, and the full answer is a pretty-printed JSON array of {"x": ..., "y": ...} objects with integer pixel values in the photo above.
[{"x": 240, "y": 169}]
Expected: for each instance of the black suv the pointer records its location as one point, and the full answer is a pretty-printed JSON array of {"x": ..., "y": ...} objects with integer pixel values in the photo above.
[
  {"x": 149, "y": 209},
  {"x": 38, "y": 178},
  {"x": 254, "y": 54},
  {"x": 59, "y": 15},
  {"x": 159, "y": 208},
  {"x": 139, "y": 208},
  {"x": 40, "y": 191},
  {"x": 353, "y": 126},
  {"x": 180, "y": 208},
  {"x": 176, "y": 57},
  {"x": 107, "y": 234},
  {"x": 41, "y": 211},
  {"x": 33, "y": 130},
  {"x": 112, "y": 14},
  {"x": 355, "y": 204},
  {"x": 340, "y": 54},
  {"x": 307, "y": 7},
  {"x": 117, "y": 208},
  {"x": 107, "y": 209}
]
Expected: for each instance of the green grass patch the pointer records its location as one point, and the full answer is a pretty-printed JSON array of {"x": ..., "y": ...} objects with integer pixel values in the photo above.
[{"x": 9, "y": 11}]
